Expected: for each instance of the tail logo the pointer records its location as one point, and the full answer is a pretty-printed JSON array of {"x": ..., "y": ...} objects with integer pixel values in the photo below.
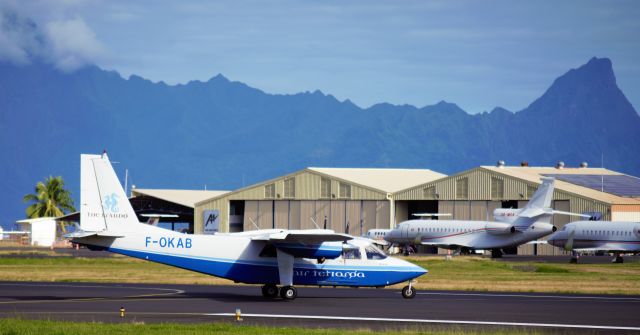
[{"x": 110, "y": 203}]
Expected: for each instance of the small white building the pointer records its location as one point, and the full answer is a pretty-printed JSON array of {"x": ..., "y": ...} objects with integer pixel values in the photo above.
[{"x": 42, "y": 231}]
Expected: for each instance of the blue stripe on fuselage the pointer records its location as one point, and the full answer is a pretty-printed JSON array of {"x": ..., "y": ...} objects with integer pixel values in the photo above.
[{"x": 267, "y": 272}]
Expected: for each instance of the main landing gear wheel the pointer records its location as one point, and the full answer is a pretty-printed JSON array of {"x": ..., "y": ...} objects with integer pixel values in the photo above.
[
  {"x": 288, "y": 293},
  {"x": 270, "y": 291},
  {"x": 408, "y": 292},
  {"x": 617, "y": 259}
]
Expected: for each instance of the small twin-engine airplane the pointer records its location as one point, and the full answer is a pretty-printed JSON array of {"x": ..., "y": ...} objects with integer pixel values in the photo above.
[
  {"x": 616, "y": 237},
  {"x": 269, "y": 257},
  {"x": 512, "y": 227}
]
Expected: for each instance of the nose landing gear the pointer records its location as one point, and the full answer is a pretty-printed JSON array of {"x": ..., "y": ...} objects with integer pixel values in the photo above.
[{"x": 408, "y": 292}]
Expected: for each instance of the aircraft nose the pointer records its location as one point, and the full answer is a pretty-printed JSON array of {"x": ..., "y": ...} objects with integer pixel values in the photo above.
[
  {"x": 554, "y": 238},
  {"x": 388, "y": 236},
  {"x": 417, "y": 269}
]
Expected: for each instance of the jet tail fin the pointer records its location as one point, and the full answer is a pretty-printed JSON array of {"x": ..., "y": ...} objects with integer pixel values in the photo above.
[
  {"x": 104, "y": 205},
  {"x": 543, "y": 195}
]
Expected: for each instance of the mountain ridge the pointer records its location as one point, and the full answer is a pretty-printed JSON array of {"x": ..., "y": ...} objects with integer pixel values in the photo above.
[{"x": 224, "y": 133}]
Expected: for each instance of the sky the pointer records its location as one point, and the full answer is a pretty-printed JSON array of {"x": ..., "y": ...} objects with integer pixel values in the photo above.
[{"x": 477, "y": 54}]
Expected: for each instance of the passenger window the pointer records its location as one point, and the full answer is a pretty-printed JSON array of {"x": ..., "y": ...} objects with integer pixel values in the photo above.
[
  {"x": 374, "y": 253},
  {"x": 351, "y": 253}
]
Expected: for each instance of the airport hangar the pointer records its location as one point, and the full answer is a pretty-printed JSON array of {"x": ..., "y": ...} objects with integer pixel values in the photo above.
[
  {"x": 360, "y": 198},
  {"x": 380, "y": 198},
  {"x": 475, "y": 193}
]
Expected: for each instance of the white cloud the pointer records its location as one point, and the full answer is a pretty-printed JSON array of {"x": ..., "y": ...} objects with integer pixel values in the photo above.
[
  {"x": 28, "y": 33},
  {"x": 73, "y": 44}
]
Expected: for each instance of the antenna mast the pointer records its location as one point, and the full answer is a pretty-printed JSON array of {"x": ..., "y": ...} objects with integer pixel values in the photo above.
[{"x": 602, "y": 172}]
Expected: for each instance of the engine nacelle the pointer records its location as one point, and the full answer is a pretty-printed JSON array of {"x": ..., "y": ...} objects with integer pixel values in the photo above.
[{"x": 499, "y": 228}]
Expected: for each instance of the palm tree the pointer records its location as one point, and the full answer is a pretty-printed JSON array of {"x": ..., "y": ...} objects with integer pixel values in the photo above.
[{"x": 50, "y": 199}]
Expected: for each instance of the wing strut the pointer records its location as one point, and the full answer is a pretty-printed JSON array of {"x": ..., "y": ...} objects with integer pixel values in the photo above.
[{"x": 285, "y": 267}]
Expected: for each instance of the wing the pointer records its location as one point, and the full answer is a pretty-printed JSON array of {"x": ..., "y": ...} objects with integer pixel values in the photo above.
[
  {"x": 310, "y": 236},
  {"x": 445, "y": 246},
  {"x": 315, "y": 243},
  {"x": 290, "y": 244},
  {"x": 611, "y": 247}
]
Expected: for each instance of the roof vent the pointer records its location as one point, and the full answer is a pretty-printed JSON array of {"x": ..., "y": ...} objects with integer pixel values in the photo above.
[
  {"x": 524, "y": 163},
  {"x": 500, "y": 164},
  {"x": 560, "y": 165},
  {"x": 584, "y": 165}
]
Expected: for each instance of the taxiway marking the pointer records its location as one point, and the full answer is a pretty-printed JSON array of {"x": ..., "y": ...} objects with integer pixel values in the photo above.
[{"x": 462, "y": 322}]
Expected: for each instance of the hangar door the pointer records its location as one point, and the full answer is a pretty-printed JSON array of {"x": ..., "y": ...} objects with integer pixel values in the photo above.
[{"x": 359, "y": 215}]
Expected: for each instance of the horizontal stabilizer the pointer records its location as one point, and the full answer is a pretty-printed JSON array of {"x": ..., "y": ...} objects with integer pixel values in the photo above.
[
  {"x": 82, "y": 234},
  {"x": 537, "y": 242},
  {"x": 110, "y": 234},
  {"x": 534, "y": 212},
  {"x": 571, "y": 214}
]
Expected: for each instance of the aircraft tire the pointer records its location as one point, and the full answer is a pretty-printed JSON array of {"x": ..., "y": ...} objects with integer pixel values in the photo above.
[
  {"x": 288, "y": 293},
  {"x": 408, "y": 292},
  {"x": 270, "y": 291}
]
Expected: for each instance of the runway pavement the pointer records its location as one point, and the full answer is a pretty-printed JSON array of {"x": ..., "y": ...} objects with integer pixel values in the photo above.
[{"x": 326, "y": 307}]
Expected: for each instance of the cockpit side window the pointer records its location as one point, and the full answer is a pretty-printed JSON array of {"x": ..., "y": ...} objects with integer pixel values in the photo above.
[
  {"x": 374, "y": 253},
  {"x": 351, "y": 253}
]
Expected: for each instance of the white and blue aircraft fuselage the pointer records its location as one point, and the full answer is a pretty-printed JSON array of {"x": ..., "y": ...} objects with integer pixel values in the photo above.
[{"x": 269, "y": 257}]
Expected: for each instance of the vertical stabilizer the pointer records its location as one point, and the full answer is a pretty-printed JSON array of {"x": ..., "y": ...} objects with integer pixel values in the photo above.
[
  {"x": 104, "y": 205},
  {"x": 543, "y": 195}
]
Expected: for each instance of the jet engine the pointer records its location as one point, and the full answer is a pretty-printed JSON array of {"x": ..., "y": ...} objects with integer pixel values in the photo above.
[{"x": 499, "y": 228}]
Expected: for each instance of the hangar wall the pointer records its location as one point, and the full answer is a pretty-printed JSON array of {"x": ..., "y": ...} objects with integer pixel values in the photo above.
[
  {"x": 361, "y": 215},
  {"x": 277, "y": 201}
]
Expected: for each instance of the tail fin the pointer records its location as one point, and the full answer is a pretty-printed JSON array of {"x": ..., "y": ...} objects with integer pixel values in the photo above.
[
  {"x": 104, "y": 206},
  {"x": 540, "y": 203},
  {"x": 543, "y": 195}
]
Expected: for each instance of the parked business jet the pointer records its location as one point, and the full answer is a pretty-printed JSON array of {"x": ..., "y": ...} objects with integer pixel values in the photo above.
[
  {"x": 616, "y": 237},
  {"x": 512, "y": 227},
  {"x": 269, "y": 257}
]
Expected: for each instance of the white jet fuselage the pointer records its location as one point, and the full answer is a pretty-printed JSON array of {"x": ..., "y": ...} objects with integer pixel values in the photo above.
[
  {"x": 598, "y": 235},
  {"x": 469, "y": 234}
]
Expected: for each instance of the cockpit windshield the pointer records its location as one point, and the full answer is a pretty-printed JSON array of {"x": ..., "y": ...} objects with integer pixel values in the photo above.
[{"x": 374, "y": 253}]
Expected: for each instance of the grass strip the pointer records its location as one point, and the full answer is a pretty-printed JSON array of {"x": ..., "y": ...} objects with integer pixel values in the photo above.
[{"x": 39, "y": 327}]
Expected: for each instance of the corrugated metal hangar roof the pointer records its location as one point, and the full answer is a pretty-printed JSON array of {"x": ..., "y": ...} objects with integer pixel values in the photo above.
[
  {"x": 621, "y": 185},
  {"x": 186, "y": 198},
  {"x": 387, "y": 180},
  {"x": 567, "y": 180}
]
